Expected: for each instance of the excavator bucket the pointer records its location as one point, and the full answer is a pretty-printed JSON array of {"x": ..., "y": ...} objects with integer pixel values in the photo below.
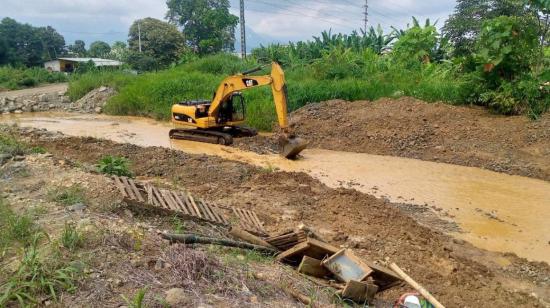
[{"x": 291, "y": 147}]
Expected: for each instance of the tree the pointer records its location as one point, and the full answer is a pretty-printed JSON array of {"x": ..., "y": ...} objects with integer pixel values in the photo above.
[
  {"x": 464, "y": 25},
  {"x": 119, "y": 51},
  {"x": 24, "y": 44},
  {"x": 417, "y": 43},
  {"x": 207, "y": 25},
  {"x": 160, "y": 41},
  {"x": 78, "y": 48},
  {"x": 99, "y": 49},
  {"x": 53, "y": 43}
]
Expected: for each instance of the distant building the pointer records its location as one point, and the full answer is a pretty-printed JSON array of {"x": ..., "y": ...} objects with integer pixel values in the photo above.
[{"x": 69, "y": 64}]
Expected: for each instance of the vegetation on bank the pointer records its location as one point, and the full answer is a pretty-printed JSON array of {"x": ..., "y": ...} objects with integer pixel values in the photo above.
[{"x": 12, "y": 78}]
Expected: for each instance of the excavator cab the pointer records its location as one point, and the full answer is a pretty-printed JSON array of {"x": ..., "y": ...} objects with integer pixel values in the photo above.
[{"x": 232, "y": 110}]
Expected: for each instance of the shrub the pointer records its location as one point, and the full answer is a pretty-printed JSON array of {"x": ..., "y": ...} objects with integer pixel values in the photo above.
[
  {"x": 10, "y": 145},
  {"x": 16, "y": 78},
  {"x": 114, "y": 165}
]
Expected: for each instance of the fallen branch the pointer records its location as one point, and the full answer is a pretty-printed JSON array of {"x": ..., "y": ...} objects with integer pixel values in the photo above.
[
  {"x": 427, "y": 295},
  {"x": 246, "y": 236},
  {"x": 194, "y": 239}
]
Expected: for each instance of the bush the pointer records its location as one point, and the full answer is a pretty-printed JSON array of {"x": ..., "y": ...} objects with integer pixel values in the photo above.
[
  {"x": 114, "y": 165},
  {"x": 81, "y": 84}
]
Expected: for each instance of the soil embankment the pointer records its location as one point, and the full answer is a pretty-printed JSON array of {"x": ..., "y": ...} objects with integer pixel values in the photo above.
[
  {"x": 459, "y": 274},
  {"x": 406, "y": 127}
]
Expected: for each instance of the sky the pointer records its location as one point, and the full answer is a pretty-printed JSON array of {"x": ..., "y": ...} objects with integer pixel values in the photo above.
[{"x": 266, "y": 20}]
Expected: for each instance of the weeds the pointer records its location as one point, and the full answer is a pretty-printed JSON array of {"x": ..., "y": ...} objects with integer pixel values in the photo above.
[
  {"x": 35, "y": 278},
  {"x": 38, "y": 150},
  {"x": 67, "y": 195},
  {"x": 18, "y": 228},
  {"x": 71, "y": 238},
  {"x": 178, "y": 225},
  {"x": 137, "y": 300},
  {"x": 18, "y": 78},
  {"x": 11, "y": 146},
  {"x": 114, "y": 165}
]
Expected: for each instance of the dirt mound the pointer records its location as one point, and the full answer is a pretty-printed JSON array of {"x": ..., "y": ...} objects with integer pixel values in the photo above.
[
  {"x": 438, "y": 132},
  {"x": 459, "y": 274},
  {"x": 93, "y": 101}
]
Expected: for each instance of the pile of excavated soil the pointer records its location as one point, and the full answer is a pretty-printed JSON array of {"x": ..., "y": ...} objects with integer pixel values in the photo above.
[
  {"x": 407, "y": 127},
  {"x": 457, "y": 273}
]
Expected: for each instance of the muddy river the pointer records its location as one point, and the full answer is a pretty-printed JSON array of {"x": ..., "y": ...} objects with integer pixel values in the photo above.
[{"x": 495, "y": 211}]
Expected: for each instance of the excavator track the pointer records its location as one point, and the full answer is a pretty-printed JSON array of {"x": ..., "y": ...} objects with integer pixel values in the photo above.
[{"x": 207, "y": 136}]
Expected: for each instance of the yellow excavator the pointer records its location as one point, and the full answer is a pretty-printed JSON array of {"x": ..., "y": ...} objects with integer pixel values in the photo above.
[{"x": 221, "y": 119}]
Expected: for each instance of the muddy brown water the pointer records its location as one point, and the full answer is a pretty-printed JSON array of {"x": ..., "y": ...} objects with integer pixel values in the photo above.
[{"x": 495, "y": 211}]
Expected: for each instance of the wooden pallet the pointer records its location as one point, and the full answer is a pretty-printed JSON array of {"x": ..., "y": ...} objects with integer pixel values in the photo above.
[
  {"x": 287, "y": 240},
  {"x": 249, "y": 221},
  {"x": 183, "y": 203}
]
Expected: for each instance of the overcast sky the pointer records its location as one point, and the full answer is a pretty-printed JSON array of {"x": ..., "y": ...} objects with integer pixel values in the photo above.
[{"x": 266, "y": 20}]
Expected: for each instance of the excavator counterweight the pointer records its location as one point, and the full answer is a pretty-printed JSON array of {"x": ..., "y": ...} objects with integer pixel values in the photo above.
[{"x": 221, "y": 119}]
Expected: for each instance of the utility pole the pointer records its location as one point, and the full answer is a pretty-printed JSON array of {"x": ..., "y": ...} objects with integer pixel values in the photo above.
[
  {"x": 139, "y": 35},
  {"x": 366, "y": 18},
  {"x": 243, "y": 32}
]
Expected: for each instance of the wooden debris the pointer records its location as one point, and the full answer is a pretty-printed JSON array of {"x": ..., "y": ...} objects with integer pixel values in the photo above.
[
  {"x": 183, "y": 204},
  {"x": 312, "y": 267},
  {"x": 297, "y": 295},
  {"x": 195, "y": 239},
  {"x": 288, "y": 239},
  {"x": 427, "y": 295},
  {"x": 384, "y": 277},
  {"x": 312, "y": 248},
  {"x": 243, "y": 235},
  {"x": 359, "y": 291},
  {"x": 346, "y": 266}
]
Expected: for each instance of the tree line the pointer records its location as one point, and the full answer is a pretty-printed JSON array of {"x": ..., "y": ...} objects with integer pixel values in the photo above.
[{"x": 194, "y": 27}]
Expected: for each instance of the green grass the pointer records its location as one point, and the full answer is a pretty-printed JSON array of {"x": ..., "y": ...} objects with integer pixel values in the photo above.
[
  {"x": 18, "y": 78},
  {"x": 71, "y": 238},
  {"x": 36, "y": 278},
  {"x": 67, "y": 195},
  {"x": 137, "y": 301},
  {"x": 15, "y": 228},
  {"x": 153, "y": 94},
  {"x": 81, "y": 84},
  {"x": 10, "y": 145}
]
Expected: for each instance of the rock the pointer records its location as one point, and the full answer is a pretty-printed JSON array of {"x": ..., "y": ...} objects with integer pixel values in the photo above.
[
  {"x": 43, "y": 98},
  {"x": 18, "y": 111},
  {"x": 440, "y": 148},
  {"x": 77, "y": 207},
  {"x": 175, "y": 297},
  {"x": 51, "y": 106},
  {"x": 19, "y": 158},
  {"x": 102, "y": 89},
  {"x": 97, "y": 109},
  {"x": 4, "y": 157}
]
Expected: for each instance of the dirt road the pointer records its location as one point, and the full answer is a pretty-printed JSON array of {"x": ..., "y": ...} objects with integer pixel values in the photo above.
[{"x": 51, "y": 88}]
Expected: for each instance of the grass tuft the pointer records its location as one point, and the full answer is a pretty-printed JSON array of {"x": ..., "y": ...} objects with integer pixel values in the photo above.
[
  {"x": 67, "y": 195},
  {"x": 71, "y": 238}
]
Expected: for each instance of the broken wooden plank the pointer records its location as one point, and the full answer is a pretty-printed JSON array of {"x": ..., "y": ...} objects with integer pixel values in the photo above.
[
  {"x": 160, "y": 198},
  {"x": 359, "y": 291},
  {"x": 257, "y": 220},
  {"x": 168, "y": 199},
  {"x": 346, "y": 266},
  {"x": 136, "y": 191},
  {"x": 214, "y": 210},
  {"x": 128, "y": 189},
  {"x": 427, "y": 295},
  {"x": 180, "y": 203},
  {"x": 194, "y": 205},
  {"x": 383, "y": 276},
  {"x": 312, "y": 267},
  {"x": 149, "y": 188},
  {"x": 311, "y": 248},
  {"x": 120, "y": 186},
  {"x": 209, "y": 214},
  {"x": 298, "y": 249}
]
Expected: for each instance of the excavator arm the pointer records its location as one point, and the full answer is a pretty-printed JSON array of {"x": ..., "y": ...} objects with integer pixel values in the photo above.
[{"x": 242, "y": 82}]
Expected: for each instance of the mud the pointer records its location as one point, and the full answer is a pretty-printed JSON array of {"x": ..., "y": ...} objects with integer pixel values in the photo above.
[
  {"x": 407, "y": 127},
  {"x": 480, "y": 206},
  {"x": 459, "y": 274}
]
